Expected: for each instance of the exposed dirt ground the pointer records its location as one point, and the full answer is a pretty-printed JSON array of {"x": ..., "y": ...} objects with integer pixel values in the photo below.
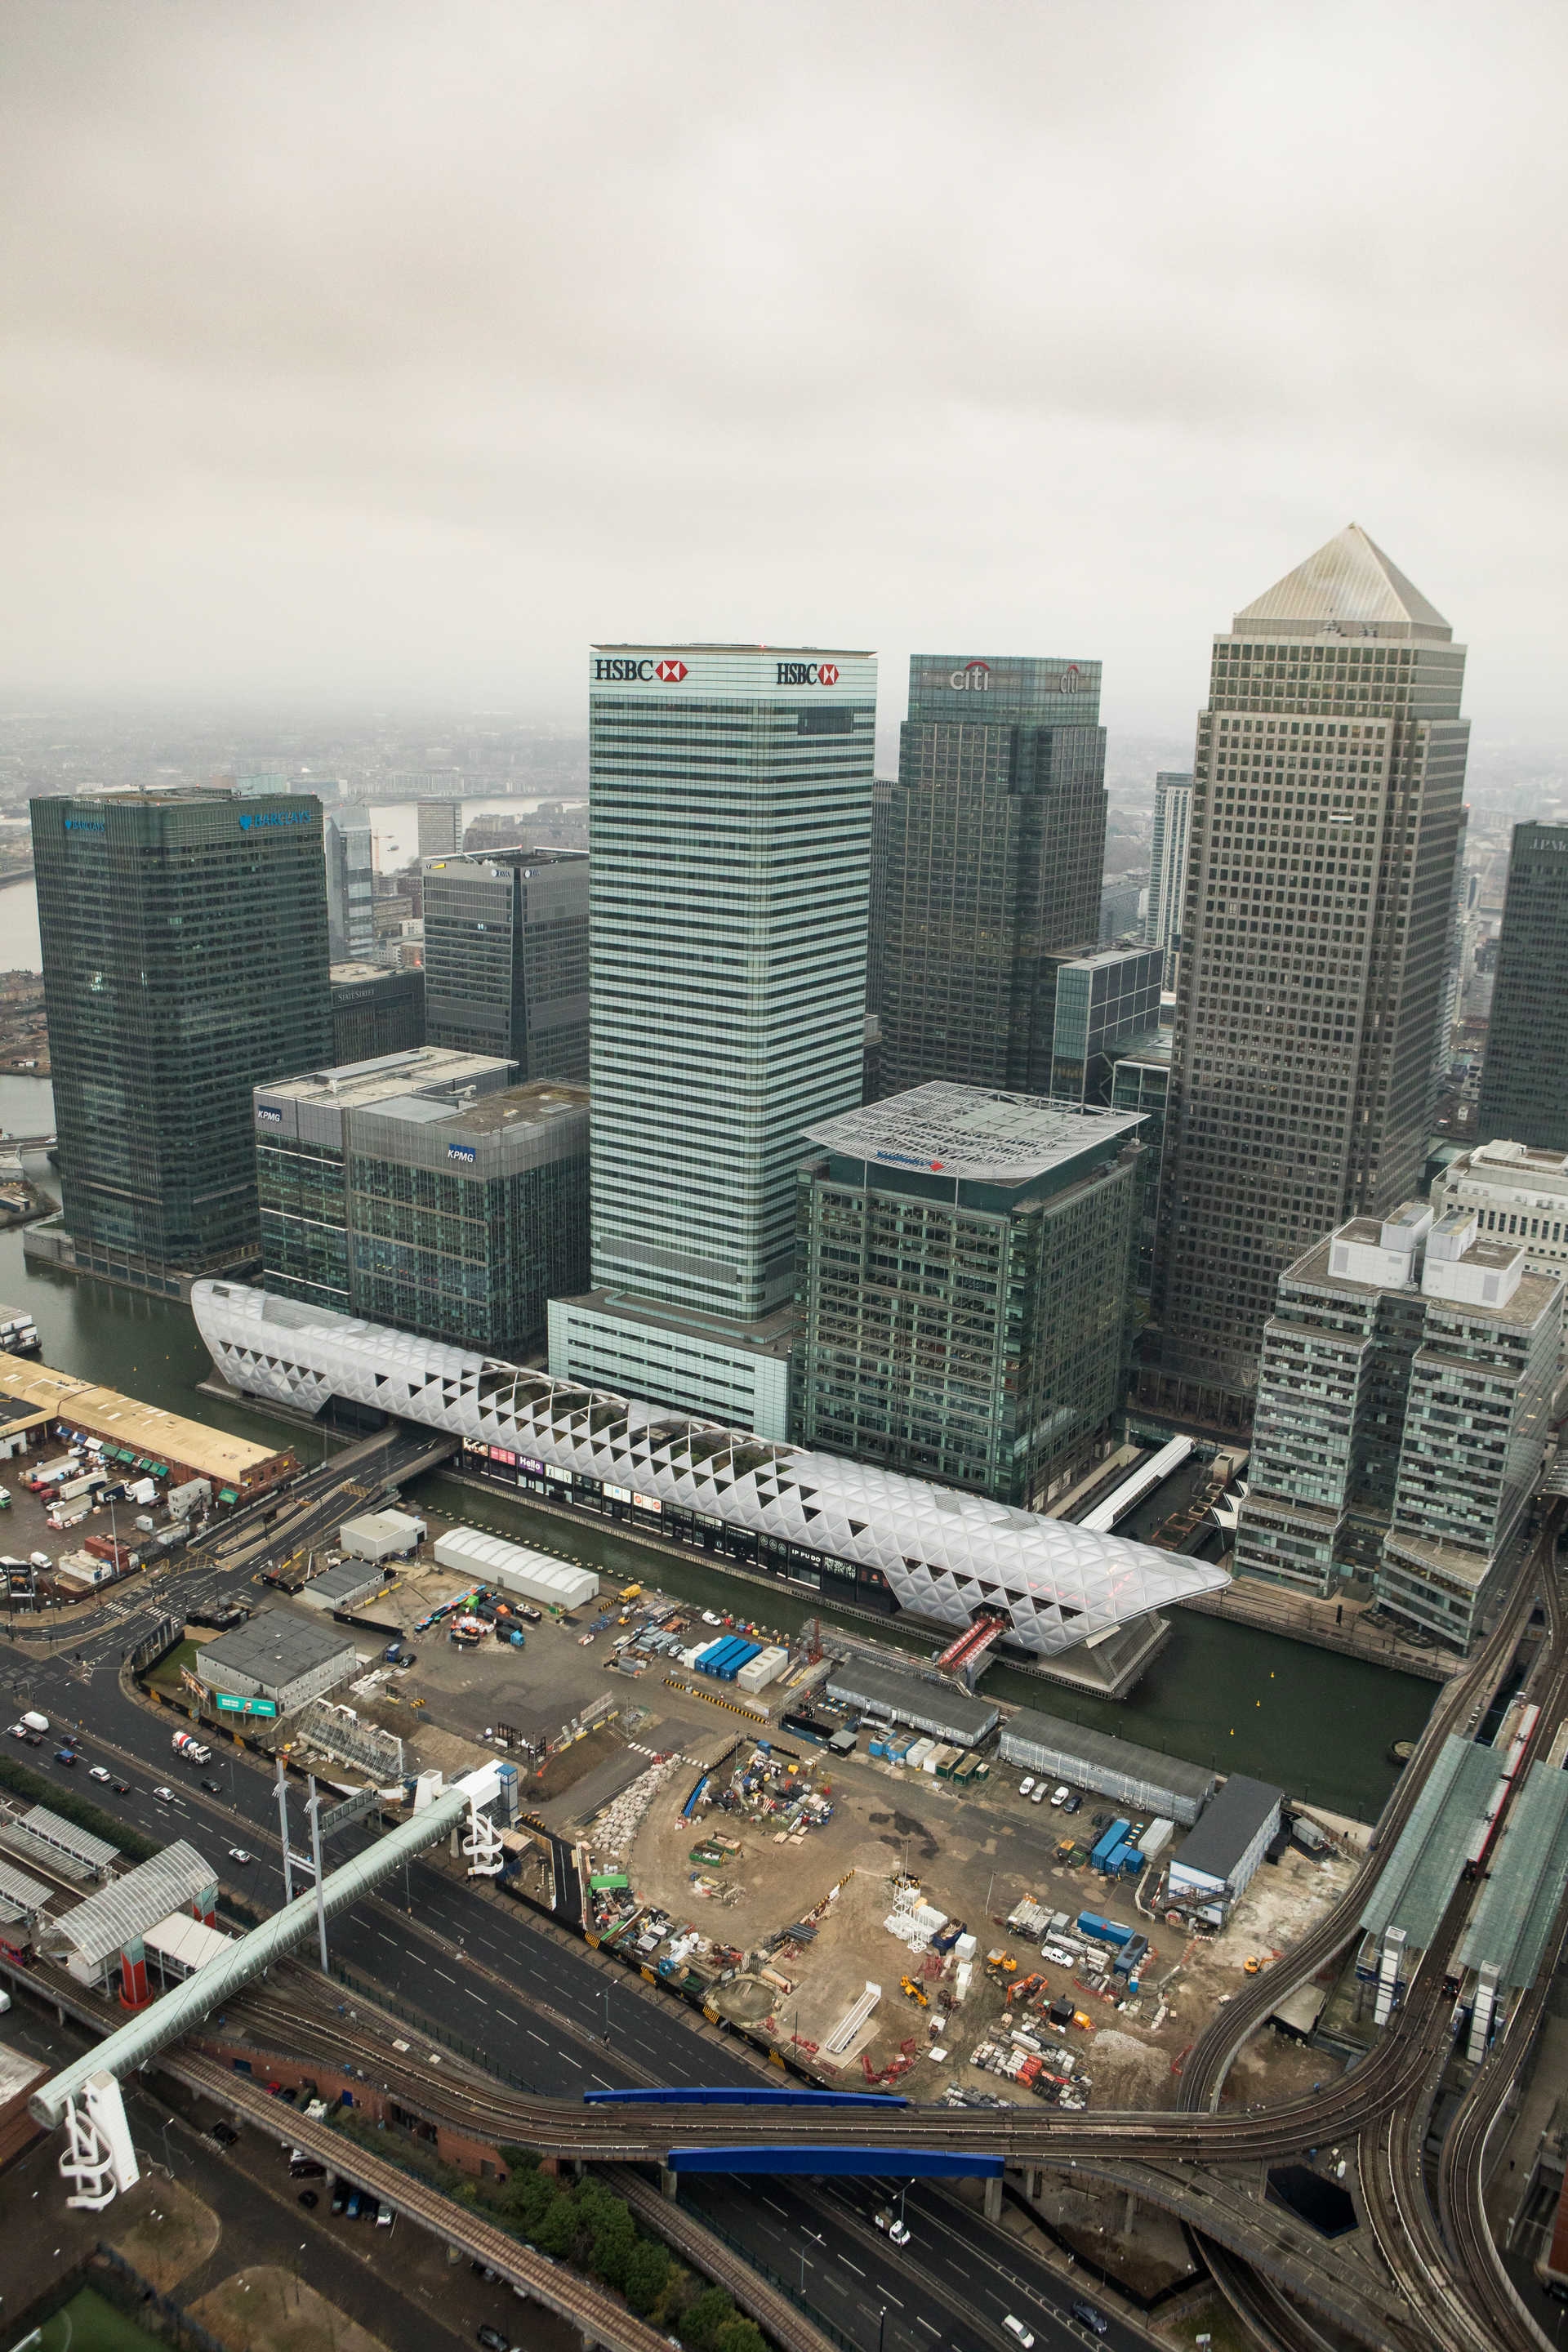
[
  {"x": 974, "y": 1857},
  {"x": 263, "y": 2309}
]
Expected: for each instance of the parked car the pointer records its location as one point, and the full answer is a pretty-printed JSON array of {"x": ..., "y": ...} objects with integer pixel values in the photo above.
[
  {"x": 493, "y": 2340},
  {"x": 1059, "y": 1796},
  {"x": 1026, "y": 1785},
  {"x": 1090, "y": 2316},
  {"x": 224, "y": 2134},
  {"x": 1073, "y": 1805},
  {"x": 1039, "y": 1796},
  {"x": 340, "y": 2197},
  {"x": 308, "y": 2199},
  {"x": 384, "y": 2217},
  {"x": 98, "y": 1772}
]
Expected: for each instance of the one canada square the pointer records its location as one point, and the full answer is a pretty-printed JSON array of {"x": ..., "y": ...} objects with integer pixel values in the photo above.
[{"x": 1327, "y": 791}]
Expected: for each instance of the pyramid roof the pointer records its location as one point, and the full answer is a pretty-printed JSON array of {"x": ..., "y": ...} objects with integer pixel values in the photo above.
[{"x": 1348, "y": 581}]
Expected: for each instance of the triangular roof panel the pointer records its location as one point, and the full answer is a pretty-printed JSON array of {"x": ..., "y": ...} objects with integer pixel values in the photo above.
[{"x": 1349, "y": 582}]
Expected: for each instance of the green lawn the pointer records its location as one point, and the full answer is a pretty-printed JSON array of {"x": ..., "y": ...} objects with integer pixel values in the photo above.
[{"x": 87, "y": 2324}]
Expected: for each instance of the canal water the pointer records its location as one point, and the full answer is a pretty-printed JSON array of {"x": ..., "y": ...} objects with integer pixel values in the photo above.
[{"x": 1218, "y": 1694}]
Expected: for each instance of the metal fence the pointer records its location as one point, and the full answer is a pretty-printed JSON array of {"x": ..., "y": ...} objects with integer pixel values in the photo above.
[{"x": 138, "y": 2298}]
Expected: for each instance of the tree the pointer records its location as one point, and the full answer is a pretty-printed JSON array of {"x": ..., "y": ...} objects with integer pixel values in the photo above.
[
  {"x": 647, "y": 2276},
  {"x": 739, "y": 2336},
  {"x": 557, "y": 2233},
  {"x": 615, "y": 2235},
  {"x": 529, "y": 2195},
  {"x": 701, "y": 2320}
]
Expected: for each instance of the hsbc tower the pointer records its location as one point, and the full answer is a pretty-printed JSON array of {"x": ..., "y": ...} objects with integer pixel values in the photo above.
[{"x": 729, "y": 814}]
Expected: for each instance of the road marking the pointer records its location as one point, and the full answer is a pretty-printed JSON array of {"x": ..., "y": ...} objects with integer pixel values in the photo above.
[
  {"x": 536, "y": 2037},
  {"x": 776, "y": 2208},
  {"x": 474, "y": 1996},
  {"x": 852, "y": 2267},
  {"x": 444, "y": 1977},
  {"x": 570, "y": 2060}
]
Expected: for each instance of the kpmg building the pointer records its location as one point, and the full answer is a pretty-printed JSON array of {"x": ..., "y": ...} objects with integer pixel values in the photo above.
[
  {"x": 185, "y": 950},
  {"x": 730, "y": 813}
]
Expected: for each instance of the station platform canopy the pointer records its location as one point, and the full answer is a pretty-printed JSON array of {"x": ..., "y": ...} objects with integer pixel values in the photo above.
[
  {"x": 1416, "y": 1882},
  {"x": 45, "y": 1837},
  {"x": 1511, "y": 1921}
]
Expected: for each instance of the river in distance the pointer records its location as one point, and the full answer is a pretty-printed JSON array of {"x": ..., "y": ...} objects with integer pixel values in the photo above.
[{"x": 1218, "y": 1694}]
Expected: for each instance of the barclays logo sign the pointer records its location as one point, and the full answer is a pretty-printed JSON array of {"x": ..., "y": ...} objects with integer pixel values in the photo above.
[{"x": 274, "y": 816}]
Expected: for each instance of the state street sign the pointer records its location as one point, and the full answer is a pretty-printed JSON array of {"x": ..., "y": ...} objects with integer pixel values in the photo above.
[{"x": 229, "y": 1703}]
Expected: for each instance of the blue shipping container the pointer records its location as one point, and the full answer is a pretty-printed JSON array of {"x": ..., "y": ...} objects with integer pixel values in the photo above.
[
  {"x": 1102, "y": 1931},
  {"x": 1106, "y": 1844}
]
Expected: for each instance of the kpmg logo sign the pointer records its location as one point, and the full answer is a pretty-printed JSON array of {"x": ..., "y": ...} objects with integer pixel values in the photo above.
[
  {"x": 270, "y": 1113},
  {"x": 807, "y": 674},
  {"x": 274, "y": 816},
  {"x": 463, "y": 1153},
  {"x": 618, "y": 668}
]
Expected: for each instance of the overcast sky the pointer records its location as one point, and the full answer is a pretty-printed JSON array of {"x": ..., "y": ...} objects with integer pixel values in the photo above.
[{"x": 405, "y": 350}]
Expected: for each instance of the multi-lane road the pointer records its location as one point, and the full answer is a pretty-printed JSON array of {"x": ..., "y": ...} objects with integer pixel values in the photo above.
[
  {"x": 440, "y": 1945},
  {"x": 539, "y": 2012}
]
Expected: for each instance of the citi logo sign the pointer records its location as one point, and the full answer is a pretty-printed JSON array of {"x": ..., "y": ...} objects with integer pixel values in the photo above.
[
  {"x": 974, "y": 678},
  {"x": 621, "y": 669},
  {"x": 807, "y": 674}
]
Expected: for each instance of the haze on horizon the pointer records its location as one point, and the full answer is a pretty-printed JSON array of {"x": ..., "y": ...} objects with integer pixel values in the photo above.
[{"x": 368, "y": 353}]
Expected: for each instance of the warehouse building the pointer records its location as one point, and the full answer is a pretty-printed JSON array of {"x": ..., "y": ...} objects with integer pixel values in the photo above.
[
  {"x": 1138, "y": 1777},
  {"x": 532, "y": 1575},
  {"x": 1217, "y": 1862},
  {"x": 345, "y": 1586},
  {"x": 931, "y": 1707},
  {"x": 380, "y": 1536},
  {"x": 281, "y": 1658},
  {"x": 138, "y": 1440}
]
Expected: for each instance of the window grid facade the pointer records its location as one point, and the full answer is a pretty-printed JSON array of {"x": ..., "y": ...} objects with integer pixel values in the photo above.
[
  {"x": 506, "y": 958},
  {"x": 185, "y": 950},
  {"x": 1524, "y": 1078},
  {"x": 996, "y": 853},
  {"x": 1326, "y": 812},
  {"x": 730, "y": 827}
]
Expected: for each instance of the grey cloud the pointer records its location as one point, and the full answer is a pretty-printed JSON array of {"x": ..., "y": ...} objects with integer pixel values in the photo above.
[{"x": 385, "y": 348}]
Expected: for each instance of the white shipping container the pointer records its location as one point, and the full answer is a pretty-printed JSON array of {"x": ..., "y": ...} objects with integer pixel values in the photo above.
[
  {"x": 533, "y": 1574},
  {"x": 917, "y": 1756},
  {"x": 764, "y": 1668},
  {"x": 1155, "y": 1838}
]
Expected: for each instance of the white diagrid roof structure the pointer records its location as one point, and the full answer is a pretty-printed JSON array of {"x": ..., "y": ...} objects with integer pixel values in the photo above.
[{"x": 943, "y": 1554}]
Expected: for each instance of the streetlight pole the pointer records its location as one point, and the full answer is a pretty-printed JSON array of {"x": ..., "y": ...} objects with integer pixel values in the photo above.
[
  {"x": 882, "y": 2330},
  {"x": 607, "y": 2016}
]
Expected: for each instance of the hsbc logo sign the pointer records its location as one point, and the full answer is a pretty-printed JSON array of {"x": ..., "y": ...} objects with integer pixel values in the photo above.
[
  {"x": 667, "y": 671},
  {"x": 807, "y": 674}
]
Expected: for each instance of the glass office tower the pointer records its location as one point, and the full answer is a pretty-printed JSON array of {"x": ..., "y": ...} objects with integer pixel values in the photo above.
[
  {"x": 1524, "y": 1078},
  {"x": 185, "y": 946},
  {"x": 995, "y": 854},
  {"x": 1326, "y": 800},
  {"x": 1168, "y": 865},
  {"x": 962, "y": 1284},
  {"x": 506, "y": 958},
  {"x": 730, "y": 811}
]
